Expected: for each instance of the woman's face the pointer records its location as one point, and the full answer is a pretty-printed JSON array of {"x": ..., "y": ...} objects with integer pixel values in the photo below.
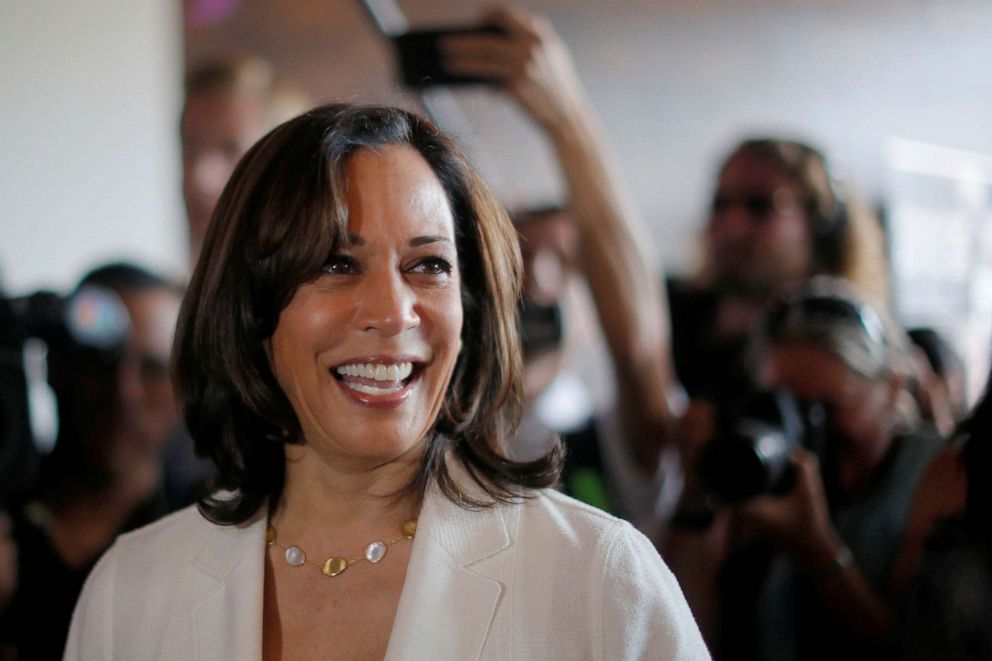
[
  {"x": 365, "y": 351},
  {"x": 859, "y": 410},
  {"x": 758, "y": 236}
]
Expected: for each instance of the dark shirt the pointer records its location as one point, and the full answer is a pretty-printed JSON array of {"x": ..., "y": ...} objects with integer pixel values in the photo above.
[
  {"x": 36, "y": 622},
  {"x": 948, "y": 612},
  {"x": 774, "y": 613},
  {"x": 708, "y": 367}
]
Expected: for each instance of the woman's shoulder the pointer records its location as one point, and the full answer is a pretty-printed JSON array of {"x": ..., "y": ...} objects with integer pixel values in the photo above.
[
  {"x": 600, "y": 563},
  {"x": 551, "y": 517},
  {"x": 171, "y": 543},
  {"x": 183, "y": 527},
  {"x": 138, "y": 596},
  {"x": 543, "y": 522},
  {"x": 571, "y": 514}
]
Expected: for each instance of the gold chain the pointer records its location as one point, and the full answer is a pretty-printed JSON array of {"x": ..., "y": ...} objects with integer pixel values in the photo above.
[{"x": 335, "y": 566}]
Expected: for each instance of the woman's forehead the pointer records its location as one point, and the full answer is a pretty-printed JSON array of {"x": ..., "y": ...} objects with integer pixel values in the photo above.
[{"x": 395, "y": 189}]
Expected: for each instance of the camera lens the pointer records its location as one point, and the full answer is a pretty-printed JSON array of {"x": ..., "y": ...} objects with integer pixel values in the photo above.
[{"x": 753, "y": 459}]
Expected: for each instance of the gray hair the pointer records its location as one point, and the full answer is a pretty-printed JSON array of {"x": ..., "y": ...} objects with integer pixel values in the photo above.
[{"x": 828, "y": 313}]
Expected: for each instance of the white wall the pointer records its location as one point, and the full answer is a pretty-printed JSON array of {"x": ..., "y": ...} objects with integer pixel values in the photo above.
[
  {"x": 89, "y": 164},
  {"x": 678, "y": 84},
  {"x": 678, "y": 81},
  {"x": 89, "y": 95}
]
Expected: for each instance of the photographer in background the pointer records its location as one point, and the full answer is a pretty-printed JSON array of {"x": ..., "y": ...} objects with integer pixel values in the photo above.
[
  {"x": 104, "y": 475},
  {"x": 941, "y": 381},
  {"x": 777, "y": 218},
  {"x": 805, "y": 574},
  {"x": 947, "y": 613},
  {"x": 598, "y": 236}
]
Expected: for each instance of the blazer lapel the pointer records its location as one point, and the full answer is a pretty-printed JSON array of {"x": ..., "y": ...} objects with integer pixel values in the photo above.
[
  {"x": 227, "y": 614},
  {"x": 446, "y": 609}
]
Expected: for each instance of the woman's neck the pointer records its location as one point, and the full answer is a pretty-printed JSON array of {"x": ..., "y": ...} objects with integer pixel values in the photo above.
[{"x": 341, "y": 501}]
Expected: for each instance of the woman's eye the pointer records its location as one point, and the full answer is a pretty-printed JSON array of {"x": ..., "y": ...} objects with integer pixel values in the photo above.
[
  {"x": 340, "y": 265},
  {"x": 433, "y": 266}
]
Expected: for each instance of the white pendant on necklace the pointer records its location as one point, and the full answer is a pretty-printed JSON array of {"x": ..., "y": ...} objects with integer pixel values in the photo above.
[
  {"x": 375, "y": 552},
  {"x": 295, "y": 556}
]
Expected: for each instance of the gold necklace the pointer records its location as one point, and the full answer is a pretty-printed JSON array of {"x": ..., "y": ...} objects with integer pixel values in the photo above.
[{"x": 335, "y": 566}]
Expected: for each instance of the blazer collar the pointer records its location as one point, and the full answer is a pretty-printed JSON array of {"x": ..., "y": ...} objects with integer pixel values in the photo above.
[
  {"x": 446, "y": 608},
  {"x": 448, "y": 602},
  {"x": 227, "y": 610}
]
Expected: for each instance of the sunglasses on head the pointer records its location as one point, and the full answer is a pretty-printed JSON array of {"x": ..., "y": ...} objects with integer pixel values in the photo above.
[{"x": 824, "y": 308}]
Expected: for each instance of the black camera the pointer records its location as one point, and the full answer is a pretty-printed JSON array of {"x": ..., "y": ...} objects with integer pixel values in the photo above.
[
  {"x": 749, "y": 454},
  {"x": 541, "y": 326},
  {"x": 39, "y": 334}
]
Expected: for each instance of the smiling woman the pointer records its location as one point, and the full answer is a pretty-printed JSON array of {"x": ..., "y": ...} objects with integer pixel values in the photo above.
[
  {"x": 348, "y": 355},
  {"x": 328, "y": 240},
  {"x": 387, "y": 304}
]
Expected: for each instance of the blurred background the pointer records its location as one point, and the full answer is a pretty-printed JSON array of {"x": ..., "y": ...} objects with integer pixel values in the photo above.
[{"x": 898, "y": 92}]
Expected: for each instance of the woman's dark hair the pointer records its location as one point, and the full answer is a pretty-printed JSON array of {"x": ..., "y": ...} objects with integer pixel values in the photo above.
[{"x": 279, "y": 218}]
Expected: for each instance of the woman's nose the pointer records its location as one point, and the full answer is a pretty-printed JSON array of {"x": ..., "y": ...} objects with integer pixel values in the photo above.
[{"x": 387, "y": 304}]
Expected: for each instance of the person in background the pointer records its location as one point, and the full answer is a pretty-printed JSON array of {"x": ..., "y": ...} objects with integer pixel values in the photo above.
[
  {"x": 8, "y": 576},
  {"x": 778, "y": 217},
  {"x": 596, "y": 240},
  {"x": 562, "y": 351},
  {"x": 230, "y": 103},
  {"x": 806, "y": 573},
  {"x": 948, "y": 609},
  {"x": 941, "y": 380},
  {"x": 942, "y": 493},
  {"x": 104, "y": 475},
  {"x": 348, "y": 355}
]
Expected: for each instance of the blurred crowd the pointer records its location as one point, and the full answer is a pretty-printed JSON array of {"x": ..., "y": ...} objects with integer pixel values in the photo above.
[{"x": 811, "y": 470}]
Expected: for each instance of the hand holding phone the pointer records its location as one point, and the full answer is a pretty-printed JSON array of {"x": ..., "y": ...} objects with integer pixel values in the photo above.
[
  {"x": 421, "y": 59},
  {"x": 529, "y": 61}
]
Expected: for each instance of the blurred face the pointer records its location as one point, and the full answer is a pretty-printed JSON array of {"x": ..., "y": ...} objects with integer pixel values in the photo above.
[
  {"x": 365, "y": 351},
  {"x": 549, "y": 251},
  {"x": 128, "y": 410},
  {"x": 549, "y": 247},
  {"x": 758, "y": 236},
  {"x": 217, "y": 128},
  {"x": 859, "y": 410}
]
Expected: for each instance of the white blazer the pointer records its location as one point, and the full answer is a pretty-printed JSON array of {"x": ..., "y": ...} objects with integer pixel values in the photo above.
[{"x": 548, "y": 578}]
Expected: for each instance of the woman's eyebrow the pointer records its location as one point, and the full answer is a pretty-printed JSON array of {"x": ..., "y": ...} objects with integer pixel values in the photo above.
[
  {"x": 424, "y": 240},
  {"x": 357, "y": 240}
]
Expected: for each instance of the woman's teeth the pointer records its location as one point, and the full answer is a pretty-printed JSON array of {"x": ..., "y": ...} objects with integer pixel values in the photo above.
[
  {"x": 396, "y": 372},
  {"x": 388, "y": 378}
]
